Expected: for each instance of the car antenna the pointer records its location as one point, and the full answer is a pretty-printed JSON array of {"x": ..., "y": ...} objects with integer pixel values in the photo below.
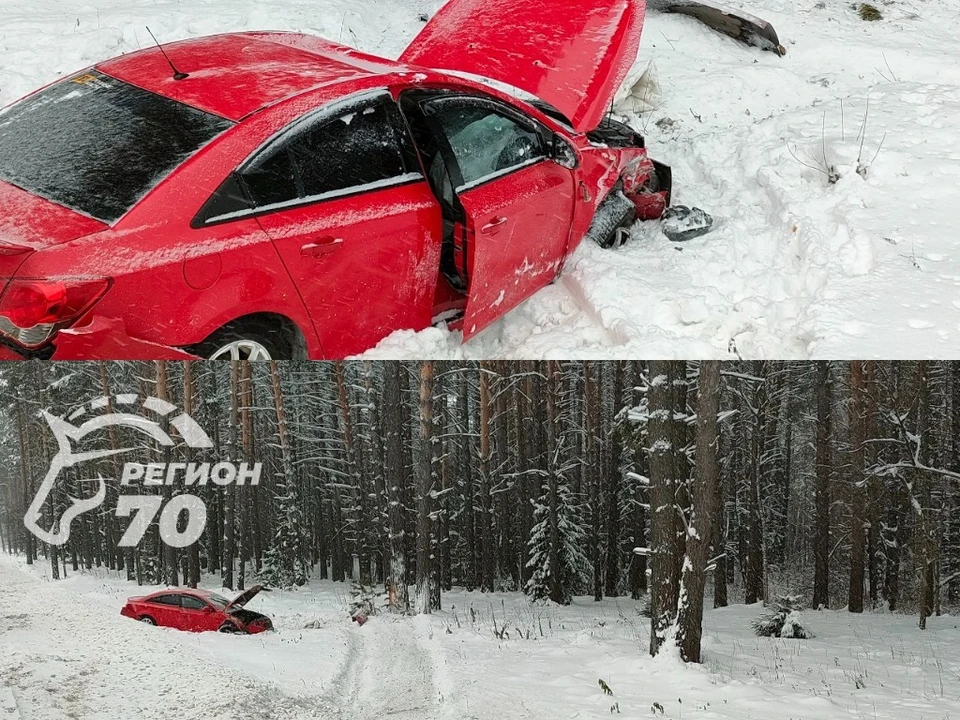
[{"x": 177, "y": 75}]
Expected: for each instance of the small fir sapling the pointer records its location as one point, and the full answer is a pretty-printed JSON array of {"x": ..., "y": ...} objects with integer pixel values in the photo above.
[
  {"x": 365, "y": 601},
  {"x": 783, "y": 620}
]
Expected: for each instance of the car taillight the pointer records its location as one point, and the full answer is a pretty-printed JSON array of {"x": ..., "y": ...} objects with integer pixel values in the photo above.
[{"x": 32, "y": 311}]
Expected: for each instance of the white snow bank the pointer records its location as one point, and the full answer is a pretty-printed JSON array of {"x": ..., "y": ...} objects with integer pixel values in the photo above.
[{"x": 64, "y": 648}]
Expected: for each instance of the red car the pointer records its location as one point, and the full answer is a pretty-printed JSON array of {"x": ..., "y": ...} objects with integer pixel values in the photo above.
[
  {"x": 276, "y": 195},
  {"x": 198, "y": 611}
]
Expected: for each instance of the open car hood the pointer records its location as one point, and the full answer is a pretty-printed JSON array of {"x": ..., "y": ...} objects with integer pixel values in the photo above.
[
  {"x": 574, "y": 54},
  {"x": 243, "y": 598}
]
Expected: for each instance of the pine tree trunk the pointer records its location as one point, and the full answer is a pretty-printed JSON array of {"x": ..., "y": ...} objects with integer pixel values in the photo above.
[
  {"x": 486, "y": 510},
  {"x": 229, "y": 516},
  {"x": 703, "y": 498},
  {"x": 921, "y": 498},
  {"x": 360, "y": 501},
  {"x": 124, "y": 558},
  {"x": 613, "y": 471},
  {"x": 466, "y": 448},
  {"x": 27, "y": 489},
  {"x": 378, "y": 465},
  {"x": 821, "y": 547},
  {"x": 679, "y": 433},
  {"x": 424, "y": 598},
  {"x": 591, "y": 468},
  {"x": 555, "y": 590},
  {"x": 247, "y": 440},
  {"x": 193, "y": 552},
  {"x": 395, "y": 468},
  {"x": 661, "y": 439},
  {"x": 753, "y": 569},
  {"x": 442, "y": 458},
  {"x": 170, "y": 559},
  {"x": 857, "y": 494}
]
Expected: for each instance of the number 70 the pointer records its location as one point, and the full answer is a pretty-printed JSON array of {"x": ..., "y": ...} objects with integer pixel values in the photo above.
[{"x": 145, "y": 508}]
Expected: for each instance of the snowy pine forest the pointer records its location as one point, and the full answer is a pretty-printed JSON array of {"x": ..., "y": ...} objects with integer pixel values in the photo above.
[{"x": 831, "y": 483}]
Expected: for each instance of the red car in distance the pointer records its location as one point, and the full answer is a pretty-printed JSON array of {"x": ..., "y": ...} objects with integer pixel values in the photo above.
[
  {"x": 275, "y": 195},
  {"x": 198, "y": 611}
]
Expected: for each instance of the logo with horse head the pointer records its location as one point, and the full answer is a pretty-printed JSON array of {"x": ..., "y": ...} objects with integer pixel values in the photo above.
[{"x": 73, "y": 432}]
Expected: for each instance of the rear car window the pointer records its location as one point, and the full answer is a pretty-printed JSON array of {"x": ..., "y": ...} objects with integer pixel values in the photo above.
[
  {"x": 98, "y": 145},
  {"x": 361, "y": 148},
  {"x": 166, "y": 600}
]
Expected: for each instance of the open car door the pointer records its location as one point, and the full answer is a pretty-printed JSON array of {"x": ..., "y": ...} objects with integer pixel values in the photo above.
[
  {"x": 511, "y": 204},
  {"x": 574, "y": 54}
]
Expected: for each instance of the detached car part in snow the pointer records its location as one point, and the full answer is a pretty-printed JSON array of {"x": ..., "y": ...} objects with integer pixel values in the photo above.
[
  {"x": 278, "y": 195},
  {"x": 737, "y": 24},
  {"x": 198, "y": 611},
  {"x": 681, "y": 223}
]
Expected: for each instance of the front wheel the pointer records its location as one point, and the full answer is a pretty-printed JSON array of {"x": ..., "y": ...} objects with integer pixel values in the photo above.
[
  {"x": 147, "y": 620},
  {"x": 230, "y": 629},
  {"x": 612, "y": 222}
]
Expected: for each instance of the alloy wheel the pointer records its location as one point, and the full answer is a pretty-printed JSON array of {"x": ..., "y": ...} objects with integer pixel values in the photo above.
[{"x": 242, "y": 350}]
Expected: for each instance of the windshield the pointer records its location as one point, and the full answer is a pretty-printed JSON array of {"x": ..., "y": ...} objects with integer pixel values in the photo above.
[
  {"x": 98, "y": 145},
  {"x": 218, "y": 601}
]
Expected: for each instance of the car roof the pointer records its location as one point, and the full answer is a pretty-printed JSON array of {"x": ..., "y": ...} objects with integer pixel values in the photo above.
[
  {"x": 196, "y": 592},
  {"x": 236, "y": 74}
]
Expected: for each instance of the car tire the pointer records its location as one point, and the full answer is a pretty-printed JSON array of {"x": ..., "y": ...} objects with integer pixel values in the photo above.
[
  {"x": 248, "y": 339},
  {"x": 230, "y": 629},
  {"x": 614, "y": 216},
  {"x": 147, "y": 620}
]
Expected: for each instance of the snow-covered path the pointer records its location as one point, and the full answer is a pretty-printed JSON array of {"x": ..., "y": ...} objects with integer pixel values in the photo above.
[{"x": 389, "y": 673}]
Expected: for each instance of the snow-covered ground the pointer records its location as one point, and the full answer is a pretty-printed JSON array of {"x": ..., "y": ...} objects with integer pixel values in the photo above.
[
  {"x": 797, "y": 267},
  {"x": 65, "y": 651}
]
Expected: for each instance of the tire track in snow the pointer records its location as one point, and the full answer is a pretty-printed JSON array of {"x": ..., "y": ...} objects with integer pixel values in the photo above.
[
  {"x": 388, "y": 673},
  {"x": 574, "y": 287}
]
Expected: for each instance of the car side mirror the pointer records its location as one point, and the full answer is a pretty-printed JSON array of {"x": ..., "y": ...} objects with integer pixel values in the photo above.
[
  {"x": 563, "y": 153},
  {"x": 207, "y": 609}
]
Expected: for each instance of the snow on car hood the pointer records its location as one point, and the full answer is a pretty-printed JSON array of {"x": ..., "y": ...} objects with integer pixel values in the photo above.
[{"x": 574, "y": 54}]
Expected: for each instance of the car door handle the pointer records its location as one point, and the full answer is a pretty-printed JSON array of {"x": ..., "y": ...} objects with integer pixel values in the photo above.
[
  {"x": 493, "y": 225},
  {"x": 320, "y": 247}
]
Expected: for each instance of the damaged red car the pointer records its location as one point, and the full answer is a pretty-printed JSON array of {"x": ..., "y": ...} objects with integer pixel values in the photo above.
[
  {"x": 276, "y": 195},
  {"x": 198, "y": 611}
]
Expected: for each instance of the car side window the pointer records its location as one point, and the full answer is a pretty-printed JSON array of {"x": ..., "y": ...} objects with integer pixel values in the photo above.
[
  {"x": 273, "y": 179},
  {"x": 166, "y": 600},
  {"x": 192, "y": 603},
  {"x": 363, "y": 145},
  {"x": 360, "y": 147},
  {"x": 486, "y": 142}
]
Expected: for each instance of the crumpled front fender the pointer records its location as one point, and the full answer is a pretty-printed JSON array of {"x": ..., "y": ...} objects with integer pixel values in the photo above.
[{"x": 107, "y": 339}]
